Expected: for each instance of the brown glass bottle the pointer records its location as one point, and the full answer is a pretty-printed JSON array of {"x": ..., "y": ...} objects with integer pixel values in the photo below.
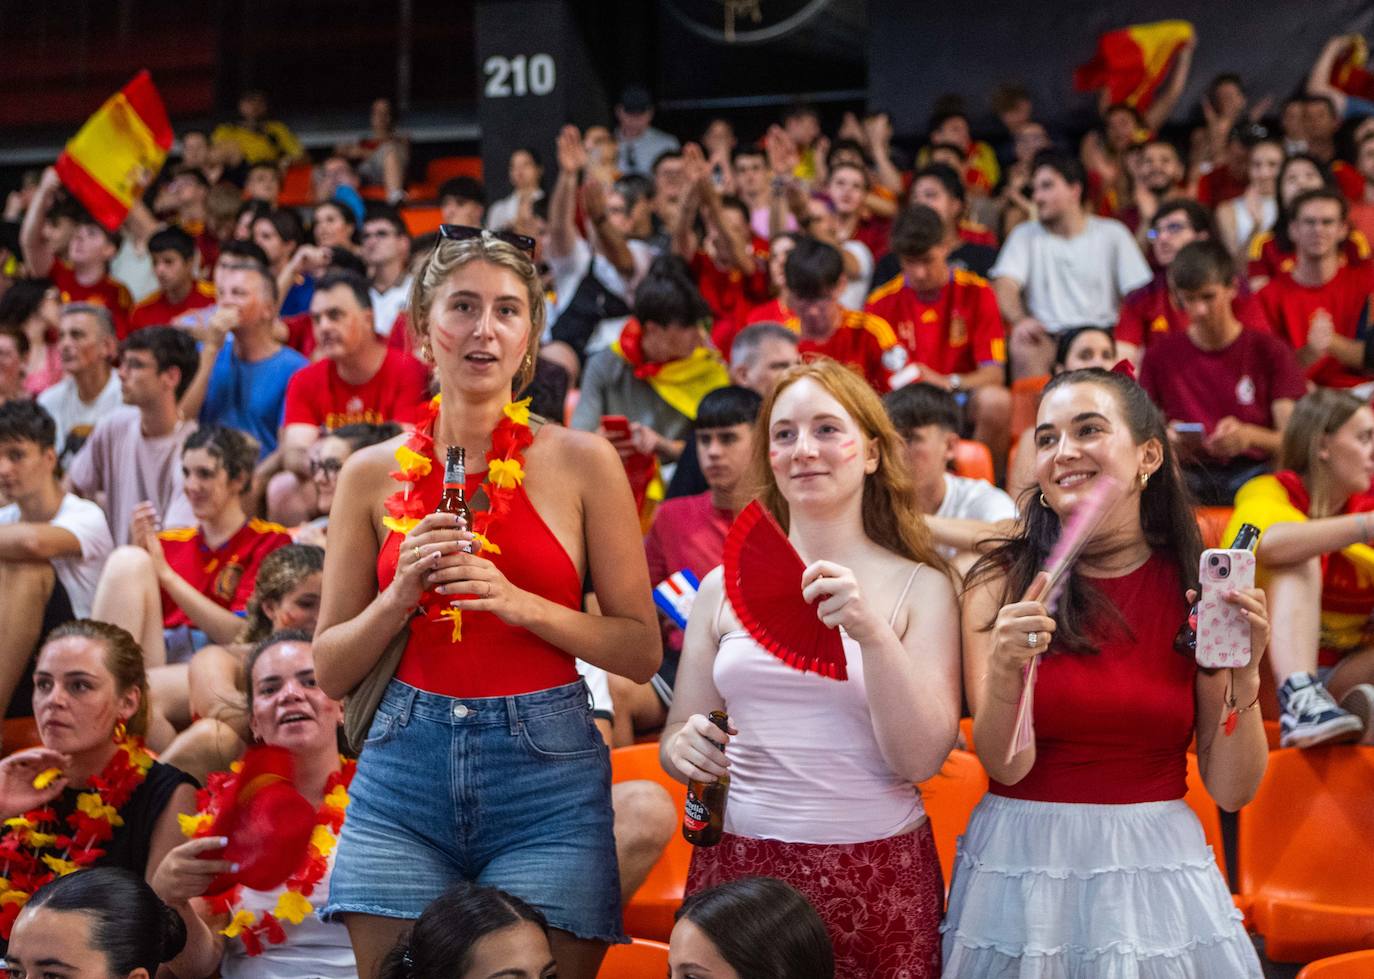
[
  {"x": 455, "y": 498},
  {"x": 703, "y": 818}
]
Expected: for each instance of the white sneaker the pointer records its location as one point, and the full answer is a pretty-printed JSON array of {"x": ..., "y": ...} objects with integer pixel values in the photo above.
[{"x": 1359, "y": 700}]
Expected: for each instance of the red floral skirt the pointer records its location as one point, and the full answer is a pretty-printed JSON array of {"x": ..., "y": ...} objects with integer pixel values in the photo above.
[{"x": 881, "y": 901}]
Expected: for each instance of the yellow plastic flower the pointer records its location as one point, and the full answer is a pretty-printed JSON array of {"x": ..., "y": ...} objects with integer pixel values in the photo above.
[
  {"x": 59, "y": 866},
  {"x": 46, "y": 778},
  {"x": 323, "y": 840},
  {"x": 241, "y": 921},
  {"x": 337, "y": 798},
  {"x": 91, "y": 804},
  {"x": 455, "y": 616},
  {"x": 412, "y": 463},
  {"x": 292, "y": 907},
  {"x": 236, "y": 766},
  {"x": 18, "y": 822},
  {"x": 484, "y": 544},
  {"x": 139, "y": 758},
  {"x": 400, "y": 525},
  {"x": 13, "y": 897},
  {"x": 505, "y": 473},
  {"x": 519, "y": 411},
  {"x": 40, "y": 840},
  {"x": 194, "y": 823}
]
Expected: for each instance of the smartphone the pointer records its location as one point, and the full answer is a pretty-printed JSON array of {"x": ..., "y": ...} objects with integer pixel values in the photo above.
[
  {"x": 1223, "y": 631},
  {"x": 1190, "y": 431},
  {"x": 616, "y": 426}
]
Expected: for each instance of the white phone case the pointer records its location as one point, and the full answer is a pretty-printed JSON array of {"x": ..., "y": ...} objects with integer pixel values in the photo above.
[{"x": 1223, "y": 631}]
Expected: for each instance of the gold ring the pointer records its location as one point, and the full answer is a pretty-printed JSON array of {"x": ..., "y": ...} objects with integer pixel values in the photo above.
[{"x": 416, "y": 552}]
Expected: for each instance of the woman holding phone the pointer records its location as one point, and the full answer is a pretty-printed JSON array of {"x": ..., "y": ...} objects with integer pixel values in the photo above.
[{"x": 1083, "y": 855}]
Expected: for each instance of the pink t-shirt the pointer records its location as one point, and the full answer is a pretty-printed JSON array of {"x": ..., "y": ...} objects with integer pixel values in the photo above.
[
  {"x": 122, "y": 467},
  {"x": 688, "y": 533}
]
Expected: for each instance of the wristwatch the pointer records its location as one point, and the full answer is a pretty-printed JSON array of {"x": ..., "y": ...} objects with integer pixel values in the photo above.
[{"x": 955, "y": 382}]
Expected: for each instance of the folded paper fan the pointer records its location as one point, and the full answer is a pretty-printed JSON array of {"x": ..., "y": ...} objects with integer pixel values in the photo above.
[
  {"x": 268, "y": 823},
  {"x": 763, "y": 575}
]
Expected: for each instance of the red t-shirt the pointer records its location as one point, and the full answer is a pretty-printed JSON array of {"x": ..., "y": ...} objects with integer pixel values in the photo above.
[
  {"x": 157, "y": 311},
  {"x": 1220, "y": 185},
  {"x": 729, "y": 292},
  {"x": 1242, "y": 380},
  {"x": 1266, "y": 259},
  {"x": 977, "y": 234},
  {"x": 688, "y": 533},
  {"x": 772, "y": 311},
  {"x": 108, "y": 292},
  {"x": 1113, "y": 727},
  {"x": 1348, "y": 179},
  {"x": 876, "y": 234},
  {"x": 1149, "y": 314},
  {"x": 862, "y": 341},
  {"x": 317, "y": 395},
  {"x": 227, "y": 574},
  {"x": 956, "y": 332},
  {"x": 1291, "y": 307}
]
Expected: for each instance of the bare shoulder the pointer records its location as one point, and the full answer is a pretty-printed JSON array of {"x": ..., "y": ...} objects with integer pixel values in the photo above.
[
  {"x": 373, "y": 464},
  {"x": 580, "y": 452}
]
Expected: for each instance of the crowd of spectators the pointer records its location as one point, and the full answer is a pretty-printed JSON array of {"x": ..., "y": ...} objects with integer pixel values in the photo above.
[{"x": 196, "y": 408}]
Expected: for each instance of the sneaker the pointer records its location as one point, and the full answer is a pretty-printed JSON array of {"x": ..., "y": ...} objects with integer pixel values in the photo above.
[
  {"x": 1359, "y": 700},
  {"x": 1311, "y": 717}
]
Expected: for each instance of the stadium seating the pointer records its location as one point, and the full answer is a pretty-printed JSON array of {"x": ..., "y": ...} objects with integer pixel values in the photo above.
[
  {"x": 649, "y": 913},
  {"x": 949, "y": 797},
  {"x": 448, "y": 167},
  {"x": 1305, "y": 860},
  {"x": 639, "y": 960},
  {"x": 974, "y": 461},
  {"x": 1212, "y": 521},
  {"x": 1025, "y": 400},
  {"x": 421, "y": 220},
  {"x": 296, "y": 186},
  {"x": 1356, "y": 965}
]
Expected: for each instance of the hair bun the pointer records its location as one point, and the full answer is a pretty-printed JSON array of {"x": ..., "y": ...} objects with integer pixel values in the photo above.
[{"x": 173, "y": 934}]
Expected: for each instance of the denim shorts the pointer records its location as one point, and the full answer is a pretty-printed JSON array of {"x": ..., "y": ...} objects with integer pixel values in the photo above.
[{"x": 508, "y": 792}]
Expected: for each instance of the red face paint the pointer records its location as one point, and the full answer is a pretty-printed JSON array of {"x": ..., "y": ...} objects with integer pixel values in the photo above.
[{"x": 445, "y": 339}]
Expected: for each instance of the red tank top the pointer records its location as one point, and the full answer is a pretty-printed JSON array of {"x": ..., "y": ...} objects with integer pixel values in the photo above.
[
  {"x": 493, "y": 659},
  {"x": 1114, "y": 726}
]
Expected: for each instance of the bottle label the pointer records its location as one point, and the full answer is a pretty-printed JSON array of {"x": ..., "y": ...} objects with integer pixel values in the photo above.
[
  {"x": 453, "y": 485},
  {"x": 696, "y": 815}
]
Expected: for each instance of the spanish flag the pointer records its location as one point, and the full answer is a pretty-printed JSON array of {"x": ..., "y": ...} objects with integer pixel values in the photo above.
[
  {"x": 1133, "y": 61},
  {"x": 118, "y": 152},
  {"x": 1351, "y": 73}
]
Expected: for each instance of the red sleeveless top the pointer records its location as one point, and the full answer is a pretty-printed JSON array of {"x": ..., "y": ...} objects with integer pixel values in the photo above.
[
  {"x": 1114, "y": 726},
  {"x": 492, "y": 659}
]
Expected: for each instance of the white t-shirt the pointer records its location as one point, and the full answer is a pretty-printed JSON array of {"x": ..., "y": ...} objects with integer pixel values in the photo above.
[
  {"x": 314, "y": 948},
  {"x": 387, "y": 305},
  {"x": 75, "y": 418},
  {"x": 974, "y": 499},
  {"x": 1071, "y": 282},
  {"x": 855, "y": 292},
  {"x": 79, "y": 575}
]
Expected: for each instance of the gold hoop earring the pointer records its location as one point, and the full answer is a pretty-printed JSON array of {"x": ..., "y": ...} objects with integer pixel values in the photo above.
[
  {"x": 1144, "y": 481},
  {"x": 1042, "y": 501},
  {"x": 120, "y": 732}
]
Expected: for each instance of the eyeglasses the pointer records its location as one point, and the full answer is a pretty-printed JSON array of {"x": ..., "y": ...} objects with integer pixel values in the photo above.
[
  {"x": 1172, "y": 228},
  {"x": 378, "y": 233},
  {"x": 330, "y": 467},
  {"x": 462, "y": 232}
]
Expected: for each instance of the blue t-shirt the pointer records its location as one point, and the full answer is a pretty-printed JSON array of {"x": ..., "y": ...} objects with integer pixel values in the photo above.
[
  {"x": 250, "y": 396},
  {"x": 298, "y": 297}
]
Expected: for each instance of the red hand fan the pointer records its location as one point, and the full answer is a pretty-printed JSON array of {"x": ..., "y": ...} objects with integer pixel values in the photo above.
[
  {"x": 763, "y": 582},
  {"x": 268, "y": 823}
]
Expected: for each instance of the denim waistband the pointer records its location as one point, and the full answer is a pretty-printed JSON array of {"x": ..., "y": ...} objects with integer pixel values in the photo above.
[{"x": 408, "y": 701}]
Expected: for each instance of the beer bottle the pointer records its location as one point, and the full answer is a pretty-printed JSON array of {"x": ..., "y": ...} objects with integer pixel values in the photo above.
[
  {"x": 703, "y": 818},
  {"x": 1185, "y": 642},
  {"x": 455, "y": 498}
]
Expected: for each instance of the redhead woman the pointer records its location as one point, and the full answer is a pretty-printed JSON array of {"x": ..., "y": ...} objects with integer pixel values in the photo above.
[
  {"x": 482, "y": 762},
  {"x": 822, "y": 771}
]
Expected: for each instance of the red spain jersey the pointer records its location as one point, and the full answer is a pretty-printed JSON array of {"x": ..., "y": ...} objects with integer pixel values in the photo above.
[
  {"x": 729, "y": 292},
  {"x": 1292, "y": 308},
  {"x": 108, "y": 292},
  {"x": 157, "y": 311},
  {"x": 772, "y": 311},
  {"x": 1349, "y": 180},
  {"x": 956, "y": 332},
  {"x": 1267, "y": 260},
  {"x": 225, "y": 575},
  {"x": 1150, "y": 314},
  {"x": 977, "y": 234},
  {"x": 862, "y": 341},
  {"x": 317, "y": 395}
]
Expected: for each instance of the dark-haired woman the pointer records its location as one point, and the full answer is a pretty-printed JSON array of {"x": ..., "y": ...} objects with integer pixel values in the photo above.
[
  {"x": 1083, "y": 859},
  {"x": 102, "y": 923},
  {"x": 751, "y": 928},
  {"x": 472, "y": 932}
]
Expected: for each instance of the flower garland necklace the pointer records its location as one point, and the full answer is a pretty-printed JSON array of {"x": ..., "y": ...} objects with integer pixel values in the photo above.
[
  {"x": 505, "y": 472},
  {"x": 28, "y": 848},
  {"x": 293, "y": 906}
]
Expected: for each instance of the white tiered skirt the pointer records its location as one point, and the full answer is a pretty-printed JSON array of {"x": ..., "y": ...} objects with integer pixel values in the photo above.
[{"x": 1047, "y": 890}]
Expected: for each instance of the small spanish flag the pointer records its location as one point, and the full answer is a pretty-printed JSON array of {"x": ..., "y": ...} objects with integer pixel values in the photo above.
[
  {"x": 1351, "y": 73},
  {"x": 1133, "y": 61},
  {"x": 118, "y": 152}
]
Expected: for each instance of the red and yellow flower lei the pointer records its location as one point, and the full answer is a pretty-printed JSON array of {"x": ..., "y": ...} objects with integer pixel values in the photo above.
[
  {"x": 505, "y": 472},
  {"x": 293, "y": 906},
  {"x": 30, "y": 845}
]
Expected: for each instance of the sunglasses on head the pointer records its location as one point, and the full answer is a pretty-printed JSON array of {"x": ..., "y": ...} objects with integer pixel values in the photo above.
[{"x": 462, "y": 232}]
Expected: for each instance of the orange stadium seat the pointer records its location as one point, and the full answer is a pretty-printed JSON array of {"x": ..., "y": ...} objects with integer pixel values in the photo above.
[
  {"x": 1356, "y": 965},
  {"x": 448, "y": 167},
  {"x": 296, "y": 187},
  {"x": 1305, "y": 860},
  {"x": 1212, "y": 521},
  {"x": 974, "y": 460},
  {"x": 1025, "y": 399},
  {"x": 421, "y": 220},
  {"x": 649, "y": 913},
  {"x": 949, "y": 797},
  {"x": 639, "y": 960},
  {"x": 20, "y": 733}
]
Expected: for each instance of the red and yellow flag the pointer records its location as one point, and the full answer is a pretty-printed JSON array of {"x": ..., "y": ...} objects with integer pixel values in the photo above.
[
  {"x": 118, "y": 152},
  {"x": 1351, "y": 73},
  {"x": 1132, "y": 62}
]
